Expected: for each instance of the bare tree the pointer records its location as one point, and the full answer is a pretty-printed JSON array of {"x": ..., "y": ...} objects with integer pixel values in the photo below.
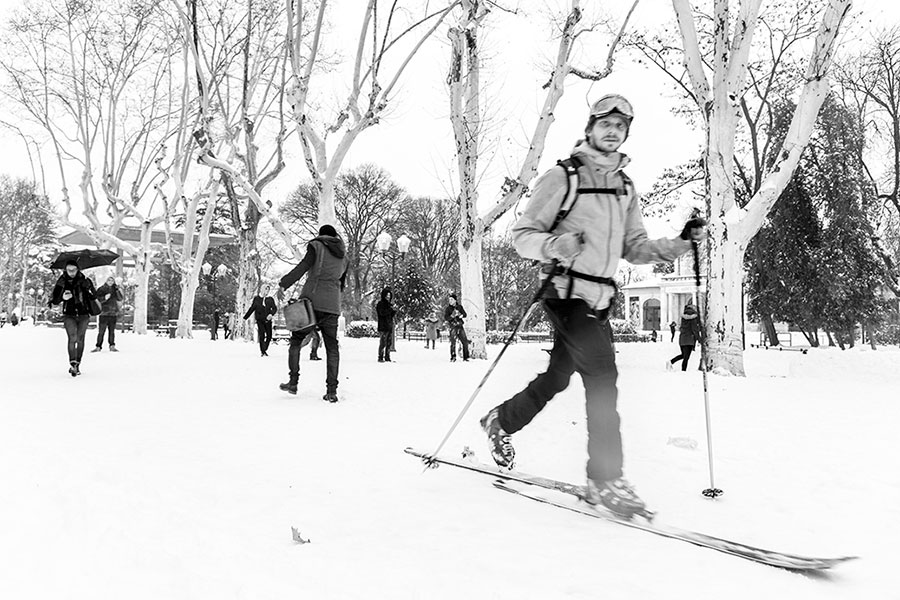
[
  {"x": 374, "y": 78},
  {"x": 91, "y": 77},
  {"x": 466, "y": 117},
  {"x": 26, "y": 224},
  {"x": 718, "y": 98}
]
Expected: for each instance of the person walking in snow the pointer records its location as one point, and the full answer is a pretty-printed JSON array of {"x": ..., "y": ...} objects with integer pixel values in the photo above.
[
  {"x": 76, "y": 293},
  {"x": 673, "y": 327},
  {"x": 109, "y": 295},
  {"x": 385, "y": 312},
  {"x": 454, "y": 315},
  {"x": 325, "y": 267},
  {"x": 691, "y": 333},
  {"x": 431, "y": 330},
  {"x": 580, "y": 245},
  {"x": 214, "y": 328},
  {"x": 263, "y": 309}
]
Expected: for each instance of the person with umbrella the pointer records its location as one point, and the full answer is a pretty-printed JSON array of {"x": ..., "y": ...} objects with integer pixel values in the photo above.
[{"x": 76, "y": 294}]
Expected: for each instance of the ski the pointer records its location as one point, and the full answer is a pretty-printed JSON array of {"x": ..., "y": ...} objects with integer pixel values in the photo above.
[{"x": 768, "y": 557}]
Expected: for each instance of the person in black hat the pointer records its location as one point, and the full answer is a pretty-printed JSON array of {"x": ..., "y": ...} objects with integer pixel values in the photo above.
[
  {"x": 325, "y": 267},
  {"x": 76, "y": 294}
]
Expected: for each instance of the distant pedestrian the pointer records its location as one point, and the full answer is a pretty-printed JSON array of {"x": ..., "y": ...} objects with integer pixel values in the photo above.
[
  {"x": 14, "y": 319},
  {"x": 109, "y": 295},
  {"x": 263, "y": 308},
  {"x": 76, "y": 293},
  {"x": 226, "y": 325},
  {"x": 315, "y": 340},
  {"x": 454, "y": 315},
  {"x": 673, "y": 327},
  {"x": 653, "y": 336},
  {"x": 385, "y": 313},
  {"x": 691, "y": 333},
  {"x": 214, "y": 328},
  {"x": 325, "y": 267},
  {"x": 431, "y": 330}
]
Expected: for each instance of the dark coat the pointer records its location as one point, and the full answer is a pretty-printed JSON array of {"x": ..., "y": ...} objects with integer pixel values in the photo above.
[
  {"x": 261, "y": 308},
  {"x": 454, "y": 315},
  {"x": 326, "y": 263},
  {"x": 385, "y": 312},
  {"x": 690, "y": 328},
  {"x": 109, "y": 307},
  {"x": 82, "y": 290}
]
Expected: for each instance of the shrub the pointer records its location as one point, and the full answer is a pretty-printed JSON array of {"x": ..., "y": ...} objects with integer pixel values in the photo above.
[
  {"x": 622, "y": 326},
  {"x": 497, "y": 337},
  {"x": 359, "y": 329},
  {"x": 631, "y": 337}
]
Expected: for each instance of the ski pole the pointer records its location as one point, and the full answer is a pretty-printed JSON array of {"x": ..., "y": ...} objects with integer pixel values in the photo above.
[
  {"x": 712, "y": 491},
  {"x": 429, "y": 460}
]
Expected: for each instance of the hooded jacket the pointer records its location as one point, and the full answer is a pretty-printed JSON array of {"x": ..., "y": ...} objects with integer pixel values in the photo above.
[
  {"x": 612, "y": 226},
  {"x": 690, "y": 327},
  {"x": 385, "y": 312},
  {"x": 82, "y": 290},
  {"x": 326, "y": 263}
]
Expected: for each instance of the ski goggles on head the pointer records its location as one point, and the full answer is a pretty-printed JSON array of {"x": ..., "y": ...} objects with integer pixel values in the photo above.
[{"x": 612, "y": 103}]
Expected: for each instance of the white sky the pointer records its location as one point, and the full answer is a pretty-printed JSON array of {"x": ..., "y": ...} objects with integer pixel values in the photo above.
[{"x": 414, "y": 142}]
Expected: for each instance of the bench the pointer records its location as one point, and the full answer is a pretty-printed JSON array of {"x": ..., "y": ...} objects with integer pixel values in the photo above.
[
  {"x": 534, "y": 336},
  {"x": 415, "y": 336}
]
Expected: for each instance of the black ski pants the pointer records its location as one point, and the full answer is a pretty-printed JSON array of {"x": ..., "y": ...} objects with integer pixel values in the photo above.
[
  {"x": 327, "y": 324},
  {"x": 583, "y": 343},
  {"x": 76, "y": 327},
  {"x": 104, "y": 323},
  {"x": 264, "y": 334},
  {"x": 683, "y": 357}
]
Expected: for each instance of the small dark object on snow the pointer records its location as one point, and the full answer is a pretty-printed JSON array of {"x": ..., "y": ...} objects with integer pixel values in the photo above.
[
  {"x": 712, "y": 493},
  {"x": 296, "y": 535}
]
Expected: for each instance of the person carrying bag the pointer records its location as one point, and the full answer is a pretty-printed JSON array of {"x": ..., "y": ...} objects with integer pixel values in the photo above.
[{"x": 318, "y": 306}]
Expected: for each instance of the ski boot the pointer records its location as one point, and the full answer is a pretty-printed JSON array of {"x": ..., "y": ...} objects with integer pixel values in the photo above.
[
  {"x": 500, "y": 442},
  {"x": 618, "y": 497},
  {"x": 290, "y": 388}
]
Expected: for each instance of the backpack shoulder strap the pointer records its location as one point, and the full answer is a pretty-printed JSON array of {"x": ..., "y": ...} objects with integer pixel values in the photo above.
[{"x": 570, "y": 166}]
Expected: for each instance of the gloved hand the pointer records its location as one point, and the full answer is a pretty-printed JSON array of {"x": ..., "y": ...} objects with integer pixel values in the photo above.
[
  {"x": 279, "y": 294},
  {"x": 565, "y": 247},
  {"x": 694, "y": 229}
]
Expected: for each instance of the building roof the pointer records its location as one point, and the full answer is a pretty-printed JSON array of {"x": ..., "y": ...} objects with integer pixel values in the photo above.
[{"x": 157, "y": 236}]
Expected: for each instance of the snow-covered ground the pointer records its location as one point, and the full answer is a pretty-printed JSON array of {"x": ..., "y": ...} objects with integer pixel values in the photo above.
[{"x": 176, "y": 468}]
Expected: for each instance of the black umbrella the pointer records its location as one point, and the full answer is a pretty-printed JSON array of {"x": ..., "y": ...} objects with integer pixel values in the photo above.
[{"x": 86, "y": 259}]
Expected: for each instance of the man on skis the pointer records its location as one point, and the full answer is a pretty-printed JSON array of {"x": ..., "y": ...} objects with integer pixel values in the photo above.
[{"x": 580, "y": 235}]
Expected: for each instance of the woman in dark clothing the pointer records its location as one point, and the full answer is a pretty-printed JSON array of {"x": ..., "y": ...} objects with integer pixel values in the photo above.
[
  {"x": 385, "y": 312},
  {"x": 264, "y": 309},
  {"x": 76, "y": 294},
  {"x": 688, "y": 338}
]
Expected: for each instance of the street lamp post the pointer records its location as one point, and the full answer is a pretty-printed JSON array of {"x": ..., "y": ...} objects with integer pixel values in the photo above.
[{"x": 383, "y": 244}]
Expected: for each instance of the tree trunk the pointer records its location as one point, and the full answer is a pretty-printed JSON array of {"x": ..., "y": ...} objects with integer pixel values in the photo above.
[
  {"x": 769, "y": 329},
  {"x": 248, "y": 271},
  {"x": 472, "y": 297},
  {"x": 142, "y": 268}
]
